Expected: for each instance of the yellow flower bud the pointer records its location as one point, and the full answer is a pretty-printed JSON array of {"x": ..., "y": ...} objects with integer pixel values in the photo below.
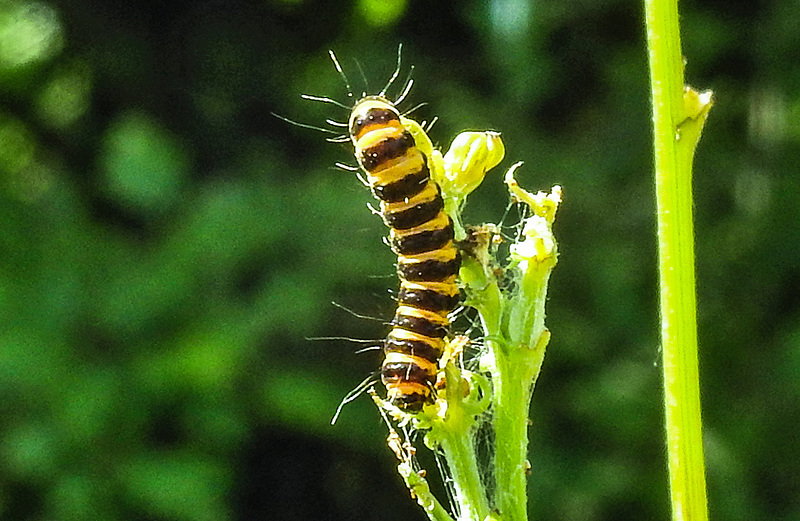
[
  {"x": 471, "y": 155},
  {"x": 538, "y": 243}
]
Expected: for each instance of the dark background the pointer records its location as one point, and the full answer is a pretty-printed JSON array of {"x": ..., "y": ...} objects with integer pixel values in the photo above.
[{"x": 168, "y": 248}]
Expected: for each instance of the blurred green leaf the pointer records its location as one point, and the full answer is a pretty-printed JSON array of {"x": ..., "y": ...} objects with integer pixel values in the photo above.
[
  {"x": 180, "y": 486},
  {"x": 66, "y": 97},
  {"x": 29, "y": 32},
  {"x": 382, "y": 13},
  {"x": 31, "y": 450},
  {"x": 143, "y": 164}
]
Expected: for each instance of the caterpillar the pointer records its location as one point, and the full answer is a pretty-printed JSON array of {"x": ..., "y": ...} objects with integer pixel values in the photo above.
[{"x": 422, "y": 235}]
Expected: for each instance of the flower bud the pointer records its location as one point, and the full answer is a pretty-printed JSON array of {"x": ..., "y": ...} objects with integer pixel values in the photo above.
[{"x": 470, "y": 156}]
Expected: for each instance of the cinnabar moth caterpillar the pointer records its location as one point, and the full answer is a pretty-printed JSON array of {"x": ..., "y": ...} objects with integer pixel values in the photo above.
[{"x": 422, "y": 237}]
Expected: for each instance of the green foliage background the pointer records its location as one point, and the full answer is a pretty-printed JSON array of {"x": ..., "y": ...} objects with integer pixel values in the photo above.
[{"x": 168, "y": 247}]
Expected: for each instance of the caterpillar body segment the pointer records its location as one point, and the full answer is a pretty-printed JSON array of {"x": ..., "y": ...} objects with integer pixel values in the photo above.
[{"x": 399, "y": 174}]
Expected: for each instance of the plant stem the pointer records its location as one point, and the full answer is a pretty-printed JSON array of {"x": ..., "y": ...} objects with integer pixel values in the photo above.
[
  {"x": 456, "y": 439},
  {"x": 512, "y": 400},
  {"x": 469, "y": 494},
  {"x": 516, "y": 339},
  {"x": 678, "y": 117}
]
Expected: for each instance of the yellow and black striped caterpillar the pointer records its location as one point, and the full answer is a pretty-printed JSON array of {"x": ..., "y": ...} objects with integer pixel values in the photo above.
[{"x": 411, "y": 204}]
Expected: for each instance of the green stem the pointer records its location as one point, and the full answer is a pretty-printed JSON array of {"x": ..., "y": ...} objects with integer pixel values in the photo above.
[
  {"x": 469, "y": 493},
  {"x": 678, "y": 118},
  {"x": 456, "y": 439},
  {"x": 510, "y": 395},
  {"x": 418, "y": 486},
  {"x": 513, "y": 387}
]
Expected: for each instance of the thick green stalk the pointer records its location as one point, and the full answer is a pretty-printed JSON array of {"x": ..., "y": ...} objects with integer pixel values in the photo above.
[
  {"x": 512, "y": 400},
  {"x": 678, "y": 117},
  {"x": 517, "y": 363}
]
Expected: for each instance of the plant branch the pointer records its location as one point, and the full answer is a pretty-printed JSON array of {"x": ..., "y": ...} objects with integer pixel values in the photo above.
[{"x": 679, "y": 114}]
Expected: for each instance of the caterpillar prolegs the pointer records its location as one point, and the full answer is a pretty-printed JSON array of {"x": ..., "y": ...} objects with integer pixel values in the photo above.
[{"x": 422, "y": 236}]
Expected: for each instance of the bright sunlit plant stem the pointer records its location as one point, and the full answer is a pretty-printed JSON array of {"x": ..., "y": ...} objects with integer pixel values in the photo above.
[{"x": 679, "y": 114}]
